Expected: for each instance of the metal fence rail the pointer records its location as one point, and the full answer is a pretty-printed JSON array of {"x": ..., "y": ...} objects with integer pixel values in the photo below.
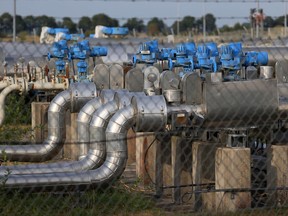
[{"x": 143, "y": 127}]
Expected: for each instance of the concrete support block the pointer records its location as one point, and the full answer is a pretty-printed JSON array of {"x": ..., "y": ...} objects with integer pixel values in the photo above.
[
  {"x": 277, "y": 174},
  {"x": 144, "y": 159},
  {"x": 203, "y": 166},
  {"x": 232, "y": 171},
  {"x": 39, "y": 115},
  {"x": 131, "y": 145},
  {"x": 70, "y": 146},
  {"x": 181, "y": 158}
]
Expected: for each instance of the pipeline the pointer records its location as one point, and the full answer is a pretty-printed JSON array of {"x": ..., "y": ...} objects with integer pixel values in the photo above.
[
  {"x": 56, "y": 125},
  {"x": 116, "y": 148},
  {"x": 3, "y": 85},
  {"x": 96, "y": 153},
  {"x": 111, "y": 169},
  {"x": 3, "y": 96}
]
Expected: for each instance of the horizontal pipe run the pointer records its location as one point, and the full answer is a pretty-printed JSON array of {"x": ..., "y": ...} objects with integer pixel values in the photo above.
[
  {"x": 54, "y": 141},
  {"x": 44, "y": 86},
  {"x": 111, "y": 169}
]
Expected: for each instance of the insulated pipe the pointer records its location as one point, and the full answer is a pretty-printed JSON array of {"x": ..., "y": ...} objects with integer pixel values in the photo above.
[
  {"x": 39, "y": 85},
  {"x": 85, "y": 116},
  {"x": 3, "y": 96},
  {"x": 83, "y": 120},
  {"x": 3, "y": 85},
  {"x": 56, "y": 134},
  {"x": 77, "y": 95},
  {"x": 96, "y": 154},
  {"x": 111, "y": 169}
]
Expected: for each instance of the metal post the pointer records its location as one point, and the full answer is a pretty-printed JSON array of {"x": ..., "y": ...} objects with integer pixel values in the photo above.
[
  {"x": 178, "y": 17},
  {"x": 257, "y": 24},
  {"x": 285, "y": 20},
  {"x": 204, "y": 22},
  {"x": 14, "y": 22}
]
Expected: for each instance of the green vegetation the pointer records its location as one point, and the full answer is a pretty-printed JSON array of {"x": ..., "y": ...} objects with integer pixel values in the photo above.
[{"x": 113, "y": 201}]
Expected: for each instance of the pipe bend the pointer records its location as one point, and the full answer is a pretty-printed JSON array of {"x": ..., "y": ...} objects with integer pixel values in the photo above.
[{"x": 6, "y": 91}]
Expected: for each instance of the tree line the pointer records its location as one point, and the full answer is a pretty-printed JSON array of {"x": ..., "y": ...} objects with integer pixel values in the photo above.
[{"x": 155, "y": 26}]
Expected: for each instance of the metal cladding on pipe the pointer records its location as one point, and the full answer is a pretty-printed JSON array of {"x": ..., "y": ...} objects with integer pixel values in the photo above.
[
  {"x": 56, "y": 134},
  {"x": 56, "y": 127},
  {"x": 85, "y": 116},
  {"x": 3, "y": 85},
  {"x": 3, "y": 96},
  {"x": 116, "y": 155},
  {"x": 39, "y": 85},
  {"x": 96, "y": 155},
  {"x": 112, "y": 167}
]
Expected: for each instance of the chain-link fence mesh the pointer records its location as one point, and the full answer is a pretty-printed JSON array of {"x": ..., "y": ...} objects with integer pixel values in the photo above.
[{"x": 151, "y": 128}]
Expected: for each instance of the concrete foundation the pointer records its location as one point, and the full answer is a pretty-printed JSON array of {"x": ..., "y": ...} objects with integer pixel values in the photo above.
[
  {"x": 232, "y": 171},
  {"x": 39, "y": 121},
  {"x": 40, "y": 128},
  {"x": 277, "y": 174},
  {"x": 203, "y": 161},
  {"x": 144, "y": 160},
  {"x": 181, "y": 158}
]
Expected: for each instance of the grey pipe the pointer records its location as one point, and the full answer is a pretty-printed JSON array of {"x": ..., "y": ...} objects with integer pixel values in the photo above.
[
  {"x": 3, "y": 96},
  {"x": 111, "y": 169},
  {"x": 86, "y": 162},
  {"x": 83, "y": 120},
  {"x": 85, "y": 116},
  {"x": 3, "y": 84},
  {"x": 56, "y": 135},
  {"x": 98, "y": 124},
  {"x": 74, "y": 98}
]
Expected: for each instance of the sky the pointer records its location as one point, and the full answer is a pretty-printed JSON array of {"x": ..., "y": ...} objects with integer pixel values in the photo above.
[{"x": 227, "y": 13}]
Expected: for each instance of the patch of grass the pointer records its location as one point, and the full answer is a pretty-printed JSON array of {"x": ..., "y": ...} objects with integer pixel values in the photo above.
[{"x": 113, "y": 201}]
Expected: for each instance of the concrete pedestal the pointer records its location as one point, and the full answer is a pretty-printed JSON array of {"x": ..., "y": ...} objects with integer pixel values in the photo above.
[
  {"x": 232, "y": 171},
  {"x": 144, "y": 159},
  {"x": 277, "y": 174},
  {"x": 203, "y": 161},
  {"x": 39, "y": 121}
]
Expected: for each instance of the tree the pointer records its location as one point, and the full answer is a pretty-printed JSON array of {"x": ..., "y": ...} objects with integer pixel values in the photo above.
[
  {"x": 103, "y": 19},
  {"x": 7, "y": 23},
  {"x": 269, "y": 22},
  {"x": 45, "y": 21},
  {"x": 238, "y": 27},
  {"x": 20, "y": 24},
  {"x": 210, "y": 23},
  {"x": 225, "y": 28},
  {"x": 85, "y": 24},
  {"x": 68, "y": 23},
  {"x": 155, "y": 26},
  {"x": 30, "y": 23},
  {"x": 135, "y": 23},
  {"x": 279, "y": 21}
]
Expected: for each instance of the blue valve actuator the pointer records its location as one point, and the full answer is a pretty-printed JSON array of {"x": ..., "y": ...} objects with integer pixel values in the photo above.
[
  {"x": 54, "y": 31},
  {"x": 58, "y": 50},
  {"x": 98, "y": 51},
  {"x": 256, "y": 58},
  {"x": 115, "y": 30}
]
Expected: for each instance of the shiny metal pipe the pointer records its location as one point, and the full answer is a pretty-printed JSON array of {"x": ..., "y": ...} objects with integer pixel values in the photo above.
[
  {"x": 3, "y": 85},
  {"x": 111, "y": 169},
  {"x": 96, "y": 154},
  {"x": 6, "y": 91},
  {"x": 54, "y": 141}
]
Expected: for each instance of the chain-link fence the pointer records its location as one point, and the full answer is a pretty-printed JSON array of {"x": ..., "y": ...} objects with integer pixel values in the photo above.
[{"x": 145, "y": 127}]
